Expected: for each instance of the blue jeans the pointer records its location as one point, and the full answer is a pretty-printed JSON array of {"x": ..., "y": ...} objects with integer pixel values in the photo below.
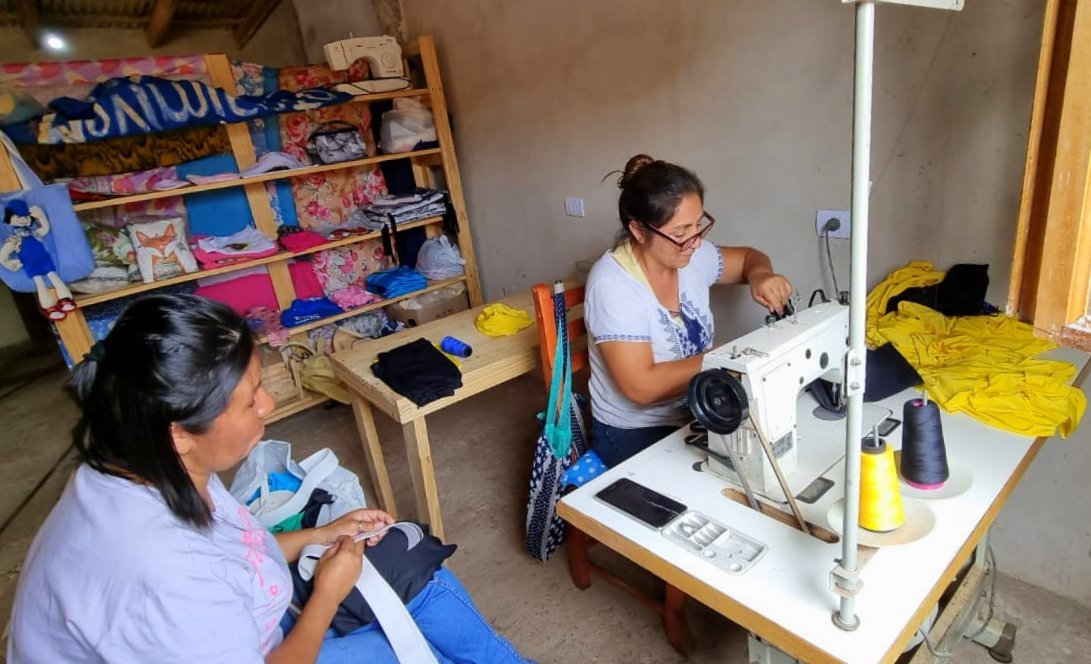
[
  {"x": 614, "y": 445},
  {"x": 447, "y": 618}
]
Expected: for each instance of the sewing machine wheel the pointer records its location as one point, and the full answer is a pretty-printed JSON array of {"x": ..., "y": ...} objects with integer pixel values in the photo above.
[{"x": 718, "y": 401}]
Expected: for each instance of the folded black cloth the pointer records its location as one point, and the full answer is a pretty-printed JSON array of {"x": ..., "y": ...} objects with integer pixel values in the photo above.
[
  {"x": 418, "y": 370},
  {"x": 961, "y": 293}
]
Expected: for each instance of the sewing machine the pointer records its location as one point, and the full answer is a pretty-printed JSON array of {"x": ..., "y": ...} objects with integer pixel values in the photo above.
[
  {"x": 772, "y": 366},
  {"x": 384, "y": 56}
]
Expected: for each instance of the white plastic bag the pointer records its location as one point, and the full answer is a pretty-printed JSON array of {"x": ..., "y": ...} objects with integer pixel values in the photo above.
[
  {"x": 439, "y": 259},
  {"x": 272, "y": 456},
  {"x": 407, "y": 125}
]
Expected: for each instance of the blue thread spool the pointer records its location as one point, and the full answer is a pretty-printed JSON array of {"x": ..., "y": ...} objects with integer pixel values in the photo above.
[{"x": 455, "y": 347}]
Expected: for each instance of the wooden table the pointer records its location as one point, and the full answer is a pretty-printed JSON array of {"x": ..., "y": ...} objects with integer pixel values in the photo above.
[
  {"x": 785, "y": 597},
  {"x": 495, "y": 360}
]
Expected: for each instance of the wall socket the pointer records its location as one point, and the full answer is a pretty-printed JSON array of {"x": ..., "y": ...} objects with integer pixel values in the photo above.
[
  {"x": 573, "y": 207},
  {"x": 844, "y": 230}
]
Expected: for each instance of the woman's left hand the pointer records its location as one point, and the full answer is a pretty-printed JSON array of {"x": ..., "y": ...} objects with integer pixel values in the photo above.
[
  {"x": 354, "y": 523},
  {"x": 771, "y": 291}
]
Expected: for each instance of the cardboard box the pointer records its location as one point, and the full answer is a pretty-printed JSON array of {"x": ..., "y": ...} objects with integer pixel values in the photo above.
[{"x": 430, "y": 306}]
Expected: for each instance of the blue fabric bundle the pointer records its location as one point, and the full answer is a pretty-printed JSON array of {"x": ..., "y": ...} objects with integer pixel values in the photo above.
[
  {"x": 395, "y": 282},
  {"x": 305, "y": 311}
]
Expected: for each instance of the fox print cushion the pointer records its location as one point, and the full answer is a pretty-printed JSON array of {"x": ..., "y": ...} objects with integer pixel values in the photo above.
[{"x": 162, "y": 248}]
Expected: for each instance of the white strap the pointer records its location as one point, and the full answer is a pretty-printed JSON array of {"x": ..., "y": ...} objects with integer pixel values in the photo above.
[
  {"x": 397, "y": 623},
  {"x": 322, "y": 464}
]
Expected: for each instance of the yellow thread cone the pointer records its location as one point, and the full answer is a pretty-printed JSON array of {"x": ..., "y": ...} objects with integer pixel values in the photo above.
[{"x": 880, "y": 503}]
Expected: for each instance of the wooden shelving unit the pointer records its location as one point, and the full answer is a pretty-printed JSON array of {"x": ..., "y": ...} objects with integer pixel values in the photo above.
[{"x": 74, "y": 332}]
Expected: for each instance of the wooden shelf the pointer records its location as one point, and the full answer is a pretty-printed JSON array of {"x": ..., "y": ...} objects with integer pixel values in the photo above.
[
  {"x": 432, "y": 286},
  {"x": 265, "y": 177},
  {"x": 98, "y": 298},
  {"x": 295, "y": 405},
  {"x": 382, "y": 96}
]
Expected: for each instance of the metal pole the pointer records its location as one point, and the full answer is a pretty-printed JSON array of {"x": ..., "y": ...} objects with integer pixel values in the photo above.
[{"x": 861, "y": 182}]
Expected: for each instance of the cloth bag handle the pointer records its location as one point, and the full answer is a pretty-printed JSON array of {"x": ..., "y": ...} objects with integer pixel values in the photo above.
[
  {"x": 558, "y": 424},
  {"x": 28, "y": 179},
  {"x": 317, "y": 467},
  {"x": 397, "y": 623}
]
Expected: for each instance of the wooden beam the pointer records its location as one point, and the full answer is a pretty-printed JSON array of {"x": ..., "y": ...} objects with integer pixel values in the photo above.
[
  {"x": 28, "y": 20},
  {"x": 162, "y": 13},
  {"x": 259, "y": 11}
]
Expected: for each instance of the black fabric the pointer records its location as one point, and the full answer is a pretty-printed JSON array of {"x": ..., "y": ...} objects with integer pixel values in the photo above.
[
  {"x": 409, "y": 243},
  {"x": 319, "y": 497},
  {"x": 961, "y": 293},
  {"x": 418, "y": 370},
  {"x": 887, "y": 373},
  {"x": 407, "y": 572}
]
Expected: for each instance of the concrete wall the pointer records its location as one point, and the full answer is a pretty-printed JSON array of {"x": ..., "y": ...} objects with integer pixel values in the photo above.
[
  {"x": 277, "y": 43},
  {"x": 756, "y": 97}
]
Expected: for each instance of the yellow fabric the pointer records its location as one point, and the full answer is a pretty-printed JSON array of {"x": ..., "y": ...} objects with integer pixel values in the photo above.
[
  {"x": 500, "y": 320},
  {"x": 983, "y": 366}
]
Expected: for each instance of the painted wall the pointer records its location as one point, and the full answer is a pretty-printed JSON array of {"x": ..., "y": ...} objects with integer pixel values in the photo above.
[
  {"x": 324, "y": 21},
  {"x": 547, "y": 98},
  {"x": 277, "y": 43}
]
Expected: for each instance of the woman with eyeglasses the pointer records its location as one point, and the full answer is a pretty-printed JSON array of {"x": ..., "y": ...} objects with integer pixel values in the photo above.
[{"x": 647, "y": 305}]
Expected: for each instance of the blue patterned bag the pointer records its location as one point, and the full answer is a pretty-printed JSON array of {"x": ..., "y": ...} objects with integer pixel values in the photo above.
[{"x": 560, "y": 442}]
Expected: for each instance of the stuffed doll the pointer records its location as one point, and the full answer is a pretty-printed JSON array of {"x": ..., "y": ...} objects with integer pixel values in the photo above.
[{"x": 24, "y": 250}]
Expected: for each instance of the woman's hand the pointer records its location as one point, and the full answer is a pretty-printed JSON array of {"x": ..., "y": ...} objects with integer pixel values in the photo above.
[
  {"x": 771, "y": 291},
  {"x": 354, "y": 523},
  {"x": 338, "y": 569}
]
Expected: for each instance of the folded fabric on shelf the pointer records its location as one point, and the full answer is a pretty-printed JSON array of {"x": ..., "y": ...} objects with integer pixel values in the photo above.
[
  {"x": 126, "y": 106},
  {"x": 271, "y": 161},
  {"x": 421, "y": 204},
  {"x": 419, "y": 371},
  {"x": 212, "y": 179},
  {"x": 301, "y": 240},
  {"x": 352, "y": 297},
  {"x": 306, "y": 311},
  {"x": 247, "y": 242},
  {"x": 126, "y": 184},
  {"x": 265, "y": 322},
  {"x": 396, "y": 282}
]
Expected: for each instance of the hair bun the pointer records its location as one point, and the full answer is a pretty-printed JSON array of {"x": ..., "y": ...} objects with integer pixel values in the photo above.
[{"x": 632, "y": 167}]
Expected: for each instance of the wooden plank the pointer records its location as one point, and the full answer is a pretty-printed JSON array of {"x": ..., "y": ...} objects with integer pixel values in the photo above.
[
  {"x": 265, "y": 177},
  {"x": 450, "y": 164},
  {"x": 495, "y": 360},
  {"x": 1063, "y": 245},
  {"x": 75, "y": 335},
  {"x": 1024, "y": 267},
  {"x": 29, "y": 21},
  {"x": 259, "y": 11},
  {"x": 298, "y": 405},
  {"x": 419, "y": 455},
  {"x": 159, "y": 23},
  {"x": 373, "y": 452}
]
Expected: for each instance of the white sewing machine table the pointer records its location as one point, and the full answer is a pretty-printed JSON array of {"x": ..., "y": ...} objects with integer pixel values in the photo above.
[{"x": 785, "y": 597}]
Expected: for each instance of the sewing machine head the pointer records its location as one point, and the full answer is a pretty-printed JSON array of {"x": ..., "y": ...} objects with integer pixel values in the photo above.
[
  {"x": 382, "y": 53},
  {"x": 772, "y": 365}
]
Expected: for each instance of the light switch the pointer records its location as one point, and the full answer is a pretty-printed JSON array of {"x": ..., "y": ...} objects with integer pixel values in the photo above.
[{"x": 573, "y": 207}]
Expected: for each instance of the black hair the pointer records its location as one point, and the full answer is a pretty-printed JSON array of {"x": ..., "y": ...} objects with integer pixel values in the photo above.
[
  {"x": 652, "y": 190},
  {"x": 170, "y": 359}
]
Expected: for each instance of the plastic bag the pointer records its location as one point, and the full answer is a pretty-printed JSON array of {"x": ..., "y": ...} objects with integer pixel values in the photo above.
[
  {"x": 407, "y": 125},
  {"x": 274, "y": 456},
  {"x": 439, "y": 259}
]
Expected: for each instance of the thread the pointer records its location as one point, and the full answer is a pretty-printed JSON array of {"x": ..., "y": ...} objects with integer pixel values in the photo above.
[
  {"x": 456, "y": 347},
  {"x": 924, "y": 454},
  {"x": 880, "y": 503}
]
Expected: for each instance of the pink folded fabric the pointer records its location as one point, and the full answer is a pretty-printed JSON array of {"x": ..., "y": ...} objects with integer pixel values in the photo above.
[
  {"x": 256, "y": 290},
  {"x": 304, "y": 280},
  {"x": 214, "y": 259},
  {"x": 352, "y": 297},
  {"x": 302, "y": 240}
]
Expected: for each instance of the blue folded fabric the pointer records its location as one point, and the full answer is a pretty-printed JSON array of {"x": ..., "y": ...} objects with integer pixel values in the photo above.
[
  {"x": 305, "y": 311},
  {"x": 395, "y": 282}
]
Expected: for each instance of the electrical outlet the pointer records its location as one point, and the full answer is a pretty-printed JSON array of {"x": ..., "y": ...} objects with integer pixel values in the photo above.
[
  {"x": 573, "y": 207},
  {"x": 844, "y": 226}
]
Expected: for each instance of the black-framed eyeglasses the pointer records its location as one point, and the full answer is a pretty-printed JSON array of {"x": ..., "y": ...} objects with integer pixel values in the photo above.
[{"x": 685, "y": 244}]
